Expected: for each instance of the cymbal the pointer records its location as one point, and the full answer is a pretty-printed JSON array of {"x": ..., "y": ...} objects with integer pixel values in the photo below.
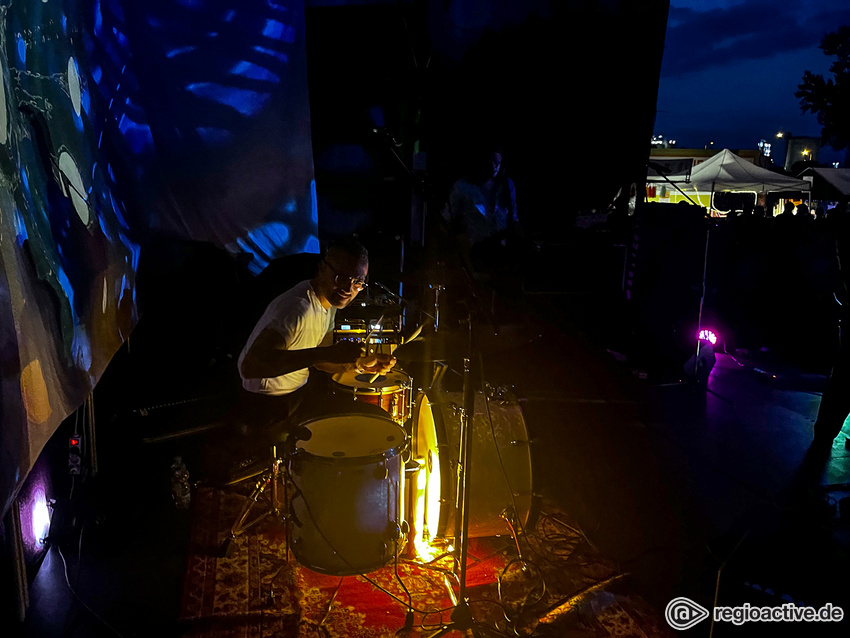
[{"x": 444, "y": 346}]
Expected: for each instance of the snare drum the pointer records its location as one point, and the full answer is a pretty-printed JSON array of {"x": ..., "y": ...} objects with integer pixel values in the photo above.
[
  {"x": 501, "y": 478},
  {"x": 391, "y": 391},
  {"x": 347, "y": 503}
]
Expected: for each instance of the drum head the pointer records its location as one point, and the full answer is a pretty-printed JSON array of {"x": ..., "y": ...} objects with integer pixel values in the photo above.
[
  {"x": 359, "y": 382},
  {"x": 353, "y": 436},
  {"x": 500, "y": 469}
]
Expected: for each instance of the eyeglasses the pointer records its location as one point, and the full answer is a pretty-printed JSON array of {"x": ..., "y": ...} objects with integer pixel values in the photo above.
[{"x": 346, "y": 282}]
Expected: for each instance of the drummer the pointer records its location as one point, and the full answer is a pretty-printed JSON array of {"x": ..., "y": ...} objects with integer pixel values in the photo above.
[{"x": 295, "y": 334}]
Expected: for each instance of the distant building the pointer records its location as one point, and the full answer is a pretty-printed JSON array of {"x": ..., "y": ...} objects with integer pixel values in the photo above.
[
  {"x": 658, "y": 141},
  {"x": 800, "y": 149}
]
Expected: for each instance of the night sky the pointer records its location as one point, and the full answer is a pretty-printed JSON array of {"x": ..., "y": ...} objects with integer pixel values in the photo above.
[{"x": 731, "y": 68}]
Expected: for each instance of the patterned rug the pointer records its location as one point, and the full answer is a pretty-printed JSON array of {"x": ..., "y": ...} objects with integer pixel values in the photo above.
[{"x": 560, "y": 588}]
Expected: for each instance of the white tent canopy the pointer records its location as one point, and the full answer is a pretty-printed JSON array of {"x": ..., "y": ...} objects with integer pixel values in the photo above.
[
  {"x": 728, "y": 172},
  {"x": 838, "y": 178}
]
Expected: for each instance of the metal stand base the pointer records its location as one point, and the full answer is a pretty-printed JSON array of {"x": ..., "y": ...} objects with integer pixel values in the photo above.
[{"x": 273, "y": 477}]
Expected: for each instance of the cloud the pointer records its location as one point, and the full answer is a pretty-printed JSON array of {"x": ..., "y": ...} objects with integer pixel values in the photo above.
[{"x": 756, "y": 29}]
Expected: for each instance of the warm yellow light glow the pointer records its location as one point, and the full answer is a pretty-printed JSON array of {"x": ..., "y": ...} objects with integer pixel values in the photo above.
[
  {"x": 422, "y": 534},
  {"x": 421, "y": 480},
  {"x": 422, "y": 541},
  {"x": 780, "y": 134},
  {"x": 428, "y": 484},
  {"x": 806, "y": 152}
]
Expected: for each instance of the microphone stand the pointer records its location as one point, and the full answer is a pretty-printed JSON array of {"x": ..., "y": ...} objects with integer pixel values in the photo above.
[{"x": 461, "y": 617}]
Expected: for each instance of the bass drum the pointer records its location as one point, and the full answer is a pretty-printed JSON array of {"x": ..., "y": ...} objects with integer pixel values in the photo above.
[
  {"x": 348, "y": 504},
  {"x": 500, "y": 460}
]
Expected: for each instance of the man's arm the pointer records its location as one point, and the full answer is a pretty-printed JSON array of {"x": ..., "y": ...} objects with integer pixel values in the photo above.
[
  {"x": 327, "y": 366},
  {"x": 268, "y": 357},
  {"x": 376, "y": 363}
]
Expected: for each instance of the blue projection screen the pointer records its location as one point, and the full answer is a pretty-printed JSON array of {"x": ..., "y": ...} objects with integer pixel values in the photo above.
[{"x": 121, "y": 120}]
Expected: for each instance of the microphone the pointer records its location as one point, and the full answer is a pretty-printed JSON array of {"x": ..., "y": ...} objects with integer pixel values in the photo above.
[
  {"x": 401, "y": 300},
  {"x": 385, "y": 133}
]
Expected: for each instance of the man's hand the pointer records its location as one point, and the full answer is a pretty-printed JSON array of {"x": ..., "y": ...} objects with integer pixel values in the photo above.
[
  {"x": 344, "y": 352},
  {"x": 376, "y": 363}
]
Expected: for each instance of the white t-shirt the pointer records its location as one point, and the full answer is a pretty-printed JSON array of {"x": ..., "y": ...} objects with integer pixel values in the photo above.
[{"x": 298, "y": 316}]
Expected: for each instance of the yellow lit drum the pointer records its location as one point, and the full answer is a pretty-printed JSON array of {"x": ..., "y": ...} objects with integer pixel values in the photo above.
[{"x": 501, "y": 476}]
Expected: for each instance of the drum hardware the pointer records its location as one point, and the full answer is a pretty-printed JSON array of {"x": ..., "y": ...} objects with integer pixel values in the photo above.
[
  {"x": 437, "y": 288},
  {"x": 274, "y": 476},
  {"x": 461, "y": 617},
  {"x": 500, "y": 393},
  {"x": 397, "y": 297},
  {"x": 509, "y": 515},
  {"x": 435, "y": 421}
]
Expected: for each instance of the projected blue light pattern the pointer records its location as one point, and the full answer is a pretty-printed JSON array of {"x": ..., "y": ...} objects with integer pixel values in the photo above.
[
  {"x": 67, "y": 260},
  {"x": 188, "y": 117},
  {"x": 211, "y": 116}
]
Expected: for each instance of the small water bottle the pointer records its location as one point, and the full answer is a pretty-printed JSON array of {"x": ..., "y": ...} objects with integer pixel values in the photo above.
[{"x": 180, "y": 489}]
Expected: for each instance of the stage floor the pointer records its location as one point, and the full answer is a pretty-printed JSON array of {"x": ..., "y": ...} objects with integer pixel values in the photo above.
[{"x": 669, "y": 486}]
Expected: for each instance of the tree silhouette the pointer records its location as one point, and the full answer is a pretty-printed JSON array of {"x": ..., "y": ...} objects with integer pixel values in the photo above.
[{"x": 829, "y": 99}]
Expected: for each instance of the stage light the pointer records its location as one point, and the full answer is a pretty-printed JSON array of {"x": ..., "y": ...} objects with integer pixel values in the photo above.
[
  {"x": 699, "y": 366},
  {"x": 40, "y": 516},
  {"x": 708, "y": 335}
]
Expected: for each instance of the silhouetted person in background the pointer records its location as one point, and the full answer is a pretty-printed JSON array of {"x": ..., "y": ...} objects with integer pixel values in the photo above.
[
  {"x": 482, "y": 213},
  {"x": 787, "y": 213}
]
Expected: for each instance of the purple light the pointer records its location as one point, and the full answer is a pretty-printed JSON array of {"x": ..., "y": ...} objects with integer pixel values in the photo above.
[
  {"x": 707, "y": 335},
  {"x": 40, "y": 517},
  {"x": 35, "y": 514}
]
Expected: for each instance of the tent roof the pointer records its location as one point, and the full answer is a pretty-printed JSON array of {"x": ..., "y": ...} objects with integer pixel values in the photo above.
[
  {"x": 728, "y": 172},
  {"x": 838, "y": 178}
]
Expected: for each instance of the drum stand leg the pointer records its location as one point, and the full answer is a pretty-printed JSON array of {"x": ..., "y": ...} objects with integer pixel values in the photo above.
[
  {"x": 509, "y": 515},
  {"x": 461, "y": 616},
  {"x": 273, "y": 477}
]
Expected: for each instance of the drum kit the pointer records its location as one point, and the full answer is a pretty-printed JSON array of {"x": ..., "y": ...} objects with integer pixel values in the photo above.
[{"x": 362, "y": 490}]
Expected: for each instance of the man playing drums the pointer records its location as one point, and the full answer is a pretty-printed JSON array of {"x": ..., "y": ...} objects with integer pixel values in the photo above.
[{"x": 295, "y": 334}]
